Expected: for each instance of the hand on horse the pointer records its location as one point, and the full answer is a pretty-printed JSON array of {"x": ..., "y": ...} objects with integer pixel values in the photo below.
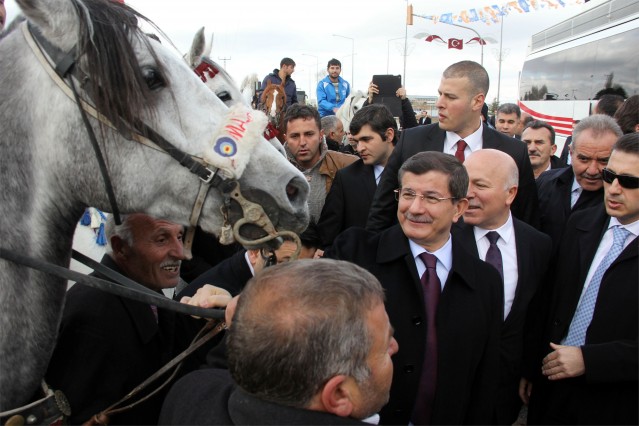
[{"x": 208, "y": 296}]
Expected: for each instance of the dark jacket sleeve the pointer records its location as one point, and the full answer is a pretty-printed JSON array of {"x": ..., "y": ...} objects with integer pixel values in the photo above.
[
  {"x": 383, "y": 213},
  {"x": 331, "y": 221},
  {"x": 408, "y": 115}
]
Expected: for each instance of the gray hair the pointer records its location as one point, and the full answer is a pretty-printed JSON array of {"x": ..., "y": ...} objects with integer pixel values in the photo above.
[
  {"x": 298, "y": 324},
  {"x": 329, "y": 123},
  {"x": 426, "y": 161},
  {"x": 509, "y": 109},
  {"x": 123, "y": 231},
  {"x": 598, "y": 124},
  {"x": 474, "y": 72}
]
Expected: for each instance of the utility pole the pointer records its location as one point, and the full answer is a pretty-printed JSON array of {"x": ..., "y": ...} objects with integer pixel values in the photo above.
[{"x": 224, "y": 60}]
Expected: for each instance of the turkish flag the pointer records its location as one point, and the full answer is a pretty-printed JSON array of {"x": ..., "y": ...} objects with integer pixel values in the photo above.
[{"x": 455, "y": 43}]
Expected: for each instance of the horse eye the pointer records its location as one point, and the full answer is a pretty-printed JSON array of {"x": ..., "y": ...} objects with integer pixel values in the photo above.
[
  {"x": 224, "y": 96},
  {"x": 153, "y": 78}
]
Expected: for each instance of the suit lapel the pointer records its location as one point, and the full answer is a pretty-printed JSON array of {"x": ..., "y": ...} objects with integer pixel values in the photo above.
[
  {"x": 592, "y": 229},
  {"x": 393, "y": 245},
  {"x": 368, "y": 181}
]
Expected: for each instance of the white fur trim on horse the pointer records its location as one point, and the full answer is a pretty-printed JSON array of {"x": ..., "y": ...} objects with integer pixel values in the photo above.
[{"x": 238, "y": 136}]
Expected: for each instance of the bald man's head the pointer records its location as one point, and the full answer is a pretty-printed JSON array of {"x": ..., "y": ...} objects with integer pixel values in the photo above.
[{"x": 493, "y": 180}]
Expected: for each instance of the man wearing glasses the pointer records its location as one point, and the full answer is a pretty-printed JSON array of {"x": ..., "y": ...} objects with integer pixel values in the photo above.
[
  {"x": 589, "y": 375},
  {"x": 565, "y": 191},
  {"x": 448, "y": 321}
]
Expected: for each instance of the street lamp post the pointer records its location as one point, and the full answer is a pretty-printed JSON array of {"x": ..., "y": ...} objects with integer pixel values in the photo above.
[
  {"x": 388, "y": 52},
  {"x": 316, "y": 63},
  {"x": 352, "y": 57}
]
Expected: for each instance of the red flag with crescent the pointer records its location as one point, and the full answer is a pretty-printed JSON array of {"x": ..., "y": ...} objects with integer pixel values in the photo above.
[
  {"x": 477, "y": 39},
  {"x": 455, "y": 43},
  {"x": 432, "y": 38}
]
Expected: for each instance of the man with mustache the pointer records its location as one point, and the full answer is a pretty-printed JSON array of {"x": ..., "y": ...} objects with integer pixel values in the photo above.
[
  {"x": 519, "y": 252},
  {"x": 588, "y": 371},
  {"x": 445, "y": 304},
  {"x": 564, "y": 191},
  {"x": 539, "y": 136},
  {"x": 108, "y": 344}
]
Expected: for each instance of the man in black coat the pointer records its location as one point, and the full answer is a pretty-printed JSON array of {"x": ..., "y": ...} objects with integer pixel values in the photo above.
[
  {"x": 564, "y": 191},
  {"x": 460, "y": 132},
  {"x": 347, "y": 204},
  {"x": 458, "y": 375},
  {"x": 590, "y": 372},
  {"x": 108, "y": 344},
  {"x": 310, "y": 343},
  {"x": 522, "y": 257}
]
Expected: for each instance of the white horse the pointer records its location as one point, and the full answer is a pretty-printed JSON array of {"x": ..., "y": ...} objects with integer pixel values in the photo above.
[
  {"x": 131, "y": 87},
  {"x": 353, "y": 103},
  {"x": 222, "y": 84}
]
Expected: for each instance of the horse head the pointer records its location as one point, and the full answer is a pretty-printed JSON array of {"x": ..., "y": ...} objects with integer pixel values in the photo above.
[
  {"x": 273, "y": 100},
  {"x": 353, "y": 103},
  {"x": 130, "y": 87}
]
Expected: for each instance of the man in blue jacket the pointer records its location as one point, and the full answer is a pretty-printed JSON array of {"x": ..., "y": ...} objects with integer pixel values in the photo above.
[
  {"x": 332, "y": 90},
  {"x": 287, "y": 68}
]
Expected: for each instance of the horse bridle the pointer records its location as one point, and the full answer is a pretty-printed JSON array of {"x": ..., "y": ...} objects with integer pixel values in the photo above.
[{"x": 64, "y": 65}]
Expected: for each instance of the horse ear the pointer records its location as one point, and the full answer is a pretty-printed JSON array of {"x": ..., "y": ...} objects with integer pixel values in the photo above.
[
  {"x": 209, "y": 46},
  {"x": 197, "y": 48},
  {"x": 56, "y": 19}
]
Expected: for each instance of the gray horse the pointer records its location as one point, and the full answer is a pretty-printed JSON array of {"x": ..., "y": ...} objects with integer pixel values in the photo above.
[{"x": 50, "y": 174}]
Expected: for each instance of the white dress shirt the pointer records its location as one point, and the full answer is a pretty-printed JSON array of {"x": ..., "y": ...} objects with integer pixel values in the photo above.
[
  {"x": 444, "y": 259},
  {"x": 473, "y": 141},
  {"x": 377, "y": 170},
  {"x": 575, "y": 192},
  {"x": 508, "y": 248}
]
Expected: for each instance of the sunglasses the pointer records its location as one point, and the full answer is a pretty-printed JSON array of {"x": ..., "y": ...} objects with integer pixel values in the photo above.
[{"x": 628, "y": 182}]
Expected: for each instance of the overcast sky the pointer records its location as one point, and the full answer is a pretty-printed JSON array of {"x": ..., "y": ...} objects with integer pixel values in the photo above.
[{"x": 255, "y": 34}]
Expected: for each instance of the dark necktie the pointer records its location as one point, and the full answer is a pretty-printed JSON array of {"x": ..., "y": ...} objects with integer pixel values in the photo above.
[
  {"x": 459, "y": 154},
  {"x": 426, "y": 392},
  {"x": 493, "y": 255}
]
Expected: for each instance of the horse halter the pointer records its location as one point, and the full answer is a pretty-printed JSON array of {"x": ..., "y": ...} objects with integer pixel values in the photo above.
[{"x": 64, "y": 65}]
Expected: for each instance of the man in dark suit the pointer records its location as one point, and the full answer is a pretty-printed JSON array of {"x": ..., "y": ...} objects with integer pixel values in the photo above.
[
  {"x": 310, "y": 344},
  {"x": 539, "y": 136},
  {"x": 460, "y": 132},
  {"x": 108, "y": 344},
  {"x": 518, "y": 251},
  {"x": 590, "y": 375},
  {"x": 424, "y": 118},
  {"x": 564, "y": 191},
  {"x": 348, "y": 202},
  {"x": 446, "y": 370}
]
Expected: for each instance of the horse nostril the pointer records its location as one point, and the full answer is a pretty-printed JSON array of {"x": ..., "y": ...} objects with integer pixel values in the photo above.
[
  {"x": 291, "y": 191},
  {"x": 297, "y": 192}
]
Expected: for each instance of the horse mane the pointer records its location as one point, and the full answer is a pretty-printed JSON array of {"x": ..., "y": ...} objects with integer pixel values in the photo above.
[
  {"x": 249, "y": 82},
  {"x": 116, "y": 83}
]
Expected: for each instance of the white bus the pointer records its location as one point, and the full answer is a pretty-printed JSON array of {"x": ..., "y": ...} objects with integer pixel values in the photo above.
[{"x": 573, "y": 63}]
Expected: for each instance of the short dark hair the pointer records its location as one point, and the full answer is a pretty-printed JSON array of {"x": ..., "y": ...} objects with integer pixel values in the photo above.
[
  {"x": 298, "y": 324},
  {"x": 427, "y": 161},
  {"x": 628, "y": 143},
  {"x": 474, "y": 72},
  {"x": 333, "y": 62},
  {"x": 379, "y": 117},
  {"x": 287, "y": 61},
  {"x": 609, "y": 104},
  {"x": 627, "y": 115},
  {"x": 538, "y": 124},
  {"x": 509, "y": 109},
  {"x": 306, "y": 112}
]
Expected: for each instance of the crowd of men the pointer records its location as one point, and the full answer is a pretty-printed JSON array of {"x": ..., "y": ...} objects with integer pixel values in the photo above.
[{"x": 466, "y": 273}]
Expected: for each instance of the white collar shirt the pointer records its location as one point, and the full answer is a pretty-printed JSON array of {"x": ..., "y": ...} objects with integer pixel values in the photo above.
[
  {"x": 474, "y": 141},
  {"x": 508, "y": 248},
  {"x": 444, "y": 259}
]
